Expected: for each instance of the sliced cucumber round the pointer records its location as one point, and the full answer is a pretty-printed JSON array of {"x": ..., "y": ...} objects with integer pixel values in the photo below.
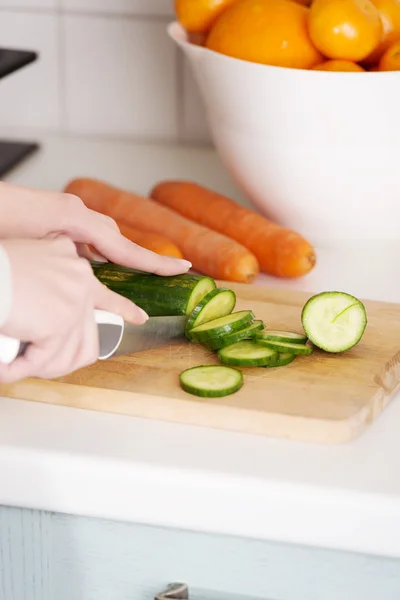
[
  {"x": 286, "y": 347},
  {"x": 217, "y": 303},
  {"x": 222, "y": 326},
  {"x": 282, "y": 336},
  {"x": 211, "y": 381},
  {"x": 205, "y": 285},
  {"x": 246, "y": 354},
  {"x": 233, "y": 338},
  {"x": 282, "y": 359},
  {"x": 334, "y": 321}
]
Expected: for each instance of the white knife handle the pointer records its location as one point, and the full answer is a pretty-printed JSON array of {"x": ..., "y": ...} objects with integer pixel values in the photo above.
[{"x": 110, "y": 326}]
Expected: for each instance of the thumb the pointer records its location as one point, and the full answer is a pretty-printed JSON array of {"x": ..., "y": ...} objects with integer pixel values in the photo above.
[{"x": 105, "y": 299}]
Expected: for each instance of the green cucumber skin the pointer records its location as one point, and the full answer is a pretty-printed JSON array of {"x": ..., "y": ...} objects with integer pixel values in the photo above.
[
  {"x": 204, "y": 336},
  {"x": 201, "y": 305},
  {"x": 202, "y": 393},
  {"x": 244, "y": 354},
  {"x": 246, "y": 362},
  {"x": 265, "y": 335},
  {"x": 297, "y": 349},
  {"x": 158, "y": 296},
  {"x": 238, "y": 336},
  {"x": 281, "y": 360}
]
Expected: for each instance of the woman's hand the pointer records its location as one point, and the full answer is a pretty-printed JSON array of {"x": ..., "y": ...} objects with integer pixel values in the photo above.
[
  {"x": 54, "y": 297},
  {"x": 36, "y": 214}
]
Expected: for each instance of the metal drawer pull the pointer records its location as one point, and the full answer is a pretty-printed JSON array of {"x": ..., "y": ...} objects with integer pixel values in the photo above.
[
  {"x": 175, "y": 591},
  {"x": 180, "y": 591}
]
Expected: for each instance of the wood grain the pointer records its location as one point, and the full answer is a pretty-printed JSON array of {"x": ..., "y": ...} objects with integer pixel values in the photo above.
[{"x": 322, "y": 398}]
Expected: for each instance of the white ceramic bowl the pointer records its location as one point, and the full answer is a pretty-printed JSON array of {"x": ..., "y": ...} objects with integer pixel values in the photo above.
[{"x": 317, "y": 151}]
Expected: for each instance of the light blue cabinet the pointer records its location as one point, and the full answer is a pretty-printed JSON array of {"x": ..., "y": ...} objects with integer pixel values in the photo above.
[{"x": 45, "y": 556}]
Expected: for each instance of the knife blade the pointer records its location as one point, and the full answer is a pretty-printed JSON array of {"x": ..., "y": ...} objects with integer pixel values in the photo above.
[
  {"x": 155, "y": 333},
  {"x": 115, "y": 336}
]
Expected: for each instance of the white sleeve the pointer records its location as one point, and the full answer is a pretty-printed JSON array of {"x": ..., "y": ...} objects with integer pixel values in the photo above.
[{"x": 5, "y": 286}]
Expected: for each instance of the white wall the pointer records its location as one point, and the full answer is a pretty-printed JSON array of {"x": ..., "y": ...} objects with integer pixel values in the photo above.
[{"x": 106, "y": 68}]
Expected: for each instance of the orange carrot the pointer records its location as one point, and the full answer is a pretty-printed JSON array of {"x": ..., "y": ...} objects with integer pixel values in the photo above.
[
  {"x": 151, "y": 241},
  {"x": 279, "y": 251},
  {"x": 209, "y": 252}
]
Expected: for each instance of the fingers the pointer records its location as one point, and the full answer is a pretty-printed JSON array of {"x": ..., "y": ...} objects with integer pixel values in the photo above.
[
  {"x": 103, "y": 234},
  {"x": 86, "y": 226},
  {"x": 88, "y": 350},
  {"x": 105, "y": 299},
  {"x": 53, "y": 358},
  {"x": 122, "y": 251},
  {"x": 89, "y": 253},
  {"x": 39, "y": 360},
  {"x": 106, "y": 219}
]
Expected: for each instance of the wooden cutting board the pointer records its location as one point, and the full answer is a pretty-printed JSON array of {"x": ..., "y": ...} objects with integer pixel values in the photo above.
[{"x": 322, "y": 398}]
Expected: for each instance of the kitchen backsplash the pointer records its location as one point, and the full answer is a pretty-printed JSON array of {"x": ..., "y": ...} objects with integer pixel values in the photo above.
[{"x": 106, "y": 68}]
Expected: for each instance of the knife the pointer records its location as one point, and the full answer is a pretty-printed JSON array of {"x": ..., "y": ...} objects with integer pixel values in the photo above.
[{"x": 115, "y": 337}]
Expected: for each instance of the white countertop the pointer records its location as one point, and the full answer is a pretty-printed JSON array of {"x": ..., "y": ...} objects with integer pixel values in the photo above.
[{"x": 85, "y": 463}]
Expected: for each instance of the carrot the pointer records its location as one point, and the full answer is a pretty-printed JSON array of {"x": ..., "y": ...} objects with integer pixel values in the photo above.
[
  {"x": 279, "y": 251},
  {"x": 209, "y": 252},
  {"x": 151, "y": 241}
]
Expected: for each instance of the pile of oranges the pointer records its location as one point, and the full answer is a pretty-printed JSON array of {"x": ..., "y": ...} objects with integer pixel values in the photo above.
[{"x": 324, "y": 35}]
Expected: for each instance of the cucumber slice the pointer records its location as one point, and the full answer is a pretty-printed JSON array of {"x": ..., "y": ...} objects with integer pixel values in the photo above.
[
  {"x": 282, "y": 336},
  {"x": 334, "y": 321},
  {"x": 205, "y": 285},
  {"x": 211, "y": 381},
  {"x": 222, "y": 326},
  {"x": 246, "y": 354},
  {"x": 282, "y": 359},
  {"x": 217, "y": 303},
  {"x": 286, "y": 347},
  {"x": 233, "y": 338}
]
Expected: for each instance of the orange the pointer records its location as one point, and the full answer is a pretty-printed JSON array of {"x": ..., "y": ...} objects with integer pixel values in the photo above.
[
  {"x": 197, "y": 16},
  {"x": 389, "y": 11},
  {"x": 345, "y": 29},
  {"x": 271, "y": 32},
  {"x": 390, "y": 60},
  {"x": 338, "y": 65}
]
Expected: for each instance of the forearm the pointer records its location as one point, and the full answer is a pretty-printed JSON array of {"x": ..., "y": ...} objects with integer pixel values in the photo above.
[{"x": 5, "y": 287}]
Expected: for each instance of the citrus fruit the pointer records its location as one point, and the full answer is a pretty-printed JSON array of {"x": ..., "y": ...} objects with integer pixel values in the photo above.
[
  {"x": 389, "y": 11},
  {"x": 197, "y": 16},
  {"x": 271, "y": 32},
  {"x": 345, "y": 29},
  {"x": 338, "y": 65},
  {"x": 390, "y": 61}
]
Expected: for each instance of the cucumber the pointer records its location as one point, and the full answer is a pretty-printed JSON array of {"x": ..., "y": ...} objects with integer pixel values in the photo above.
[
  {"x": 334, "y": 321},
  {"x": 217, "y": 303},
  {"x": 282, "y": 336},
  {"x": 246, "y": 354},
  {"x": 282, "y": 359},
  {"x": 232, "y": 338},
  {"x": 211, "y": 381},
  {"x": 222, "y": 326},
  {"x": 286, "y": 347},
  {"x": 158, "y": 296}
]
